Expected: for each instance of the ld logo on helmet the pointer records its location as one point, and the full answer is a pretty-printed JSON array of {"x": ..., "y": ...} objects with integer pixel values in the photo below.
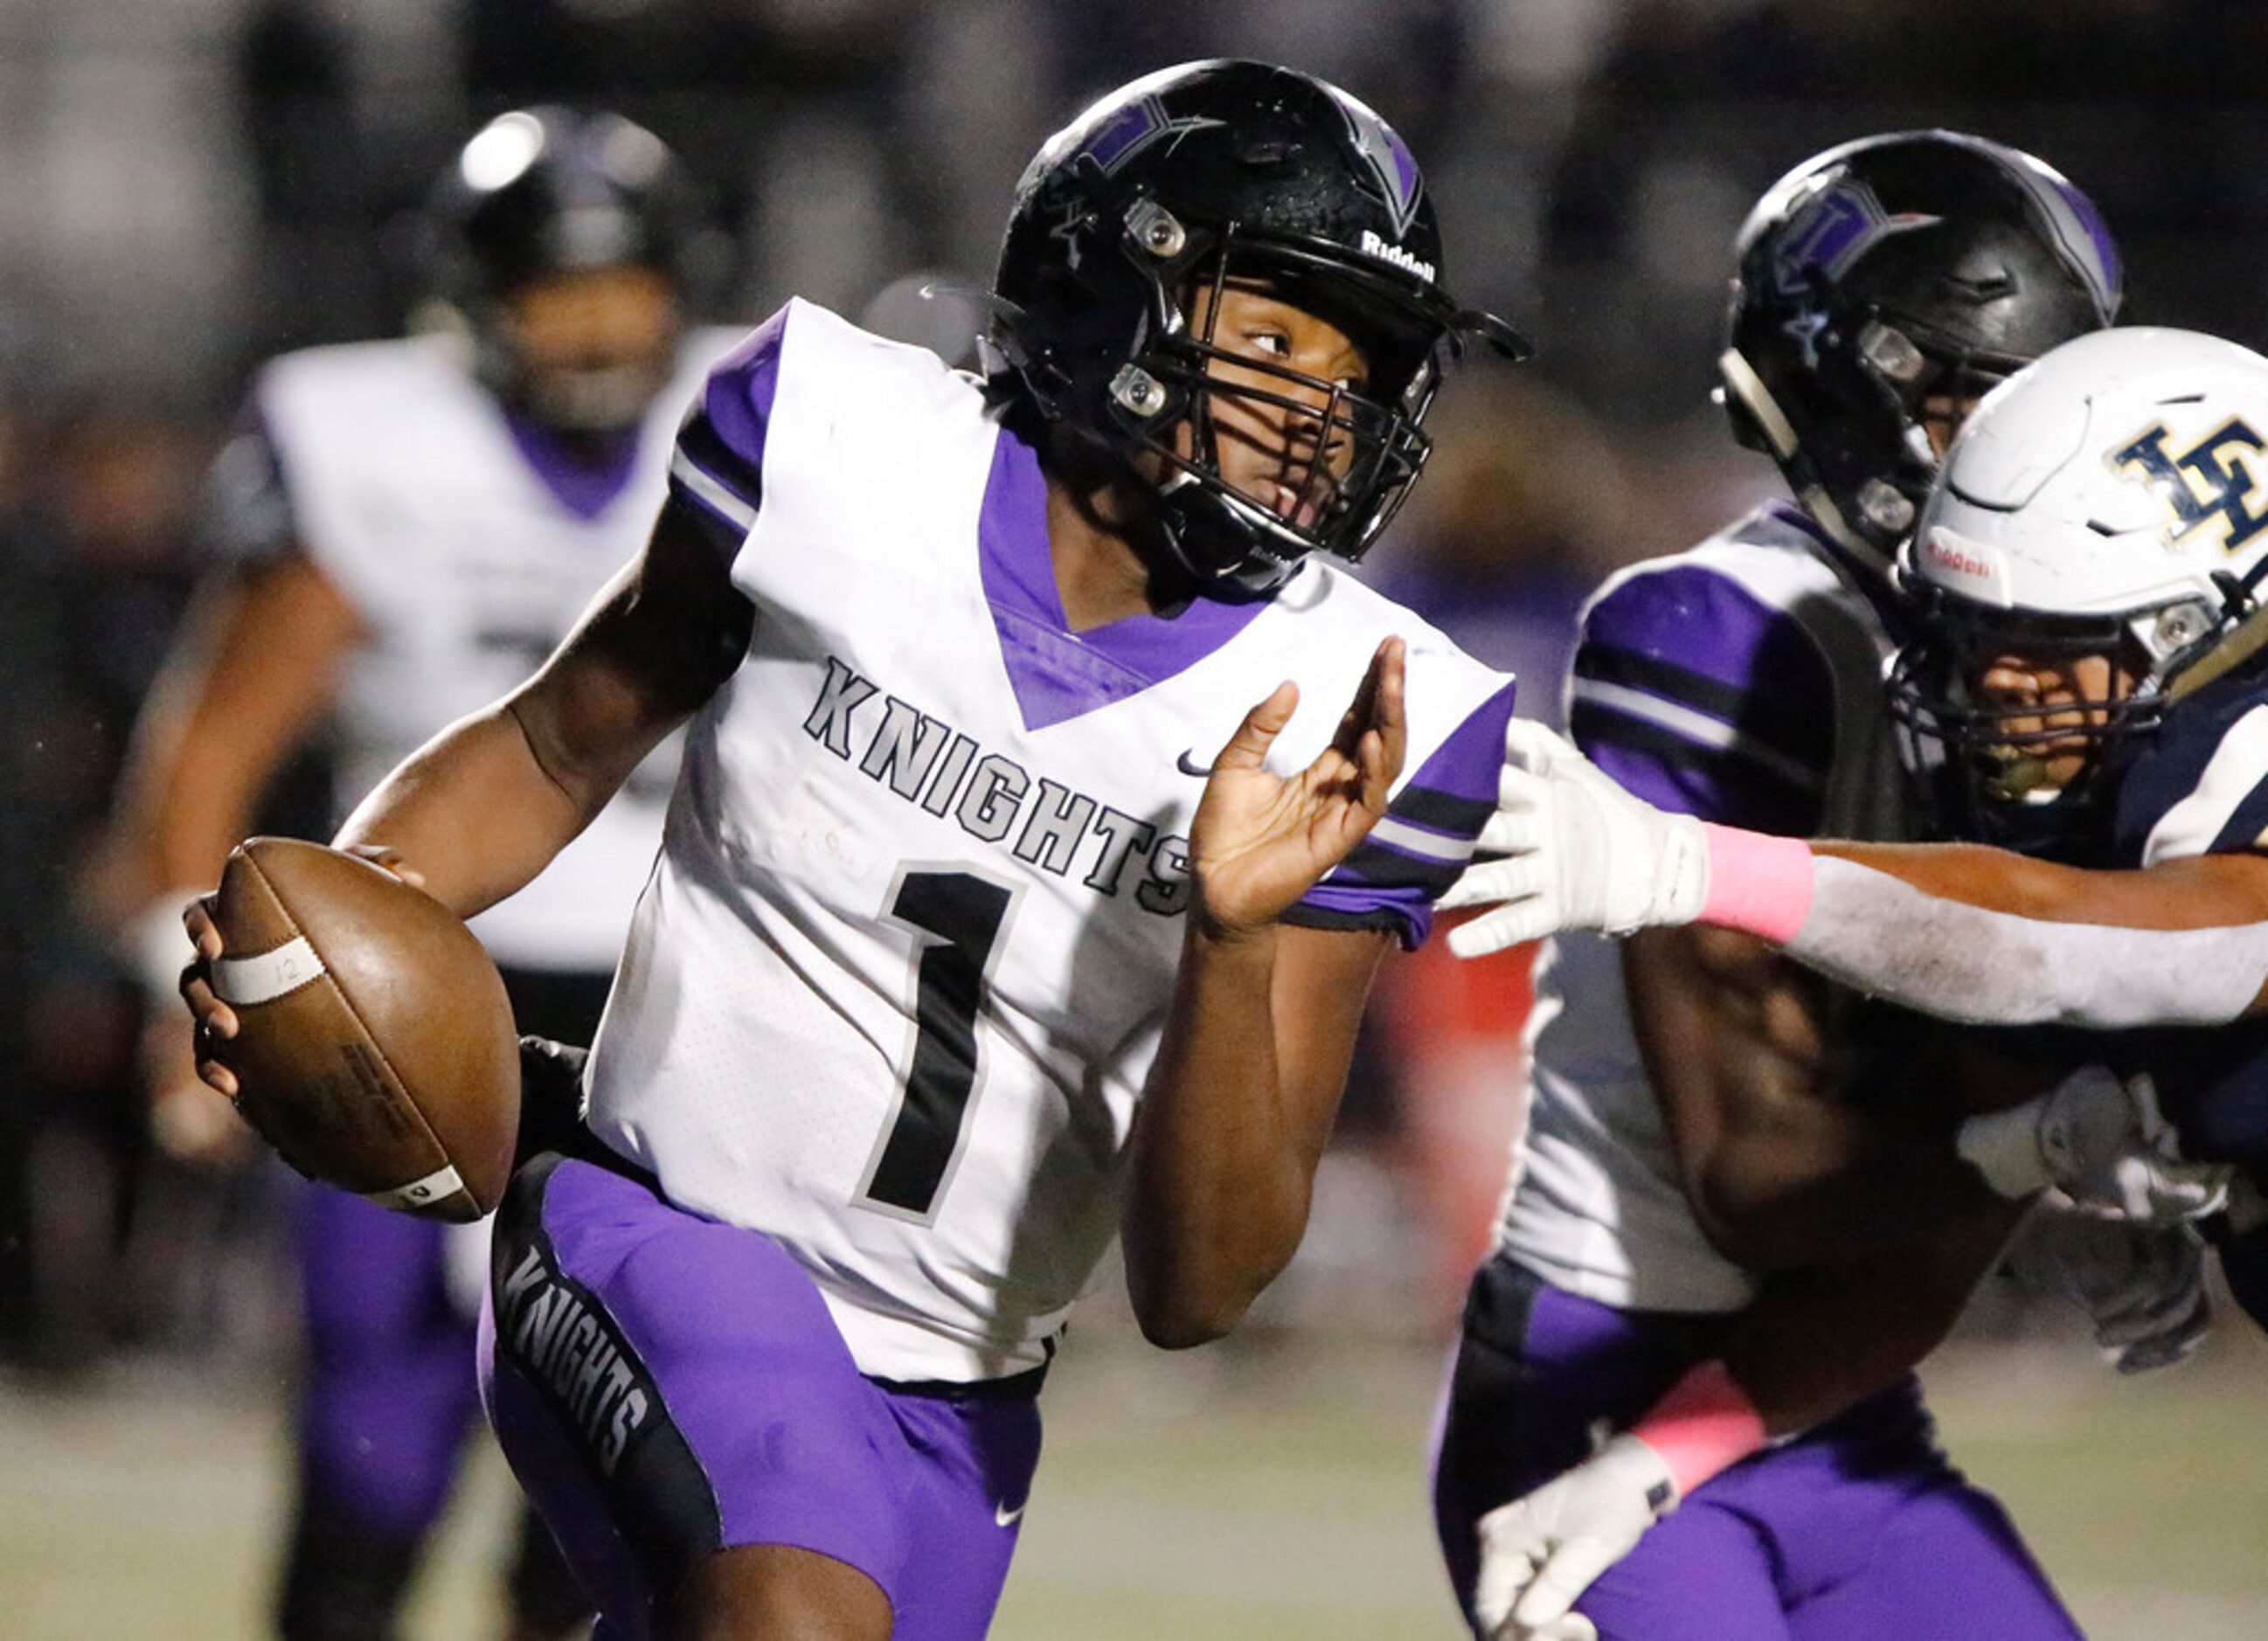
[{"x": 2200, "y": 483}]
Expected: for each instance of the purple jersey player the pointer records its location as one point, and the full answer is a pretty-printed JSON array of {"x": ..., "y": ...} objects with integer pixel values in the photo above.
[
  {"x": 2086, "y": 686},
  {"x": 408, "y": 527},
  {"x": 1882, "y": 286},
  {"x": 989, "y": 923}
]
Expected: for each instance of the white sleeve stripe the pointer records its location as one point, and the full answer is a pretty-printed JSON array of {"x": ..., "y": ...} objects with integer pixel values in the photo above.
[
  {"x": 1699, "y": 727},
  {"x": 443, "y": 1181},
  {"x": 248, "y": 981},
  {"x": 2237, "y": 768},
  {"x": 712, "y": 492},
  {"x": 1881, "y": 935},
  {"x": 1417, "y": 840}
]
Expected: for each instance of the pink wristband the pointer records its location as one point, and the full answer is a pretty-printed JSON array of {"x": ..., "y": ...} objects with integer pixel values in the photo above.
[
  {"x": 1758, "y": 884},
  {"x": 1705, "y": 1422}
]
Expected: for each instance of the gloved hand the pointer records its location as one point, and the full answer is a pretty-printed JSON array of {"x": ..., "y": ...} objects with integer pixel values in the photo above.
[
  {"x": 2143, "y": 1286},
  {"x": 1539, "y": 1553},
  {"x": 1580, "y": 853},
  {"x": 2103, "y": 1144}
]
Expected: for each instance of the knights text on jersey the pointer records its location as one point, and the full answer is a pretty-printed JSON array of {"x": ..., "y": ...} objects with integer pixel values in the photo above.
[
  {"x": 468, "y": 551},
  {"x": 1739, "y": 682},
  {"x": 892, "y": 992}
]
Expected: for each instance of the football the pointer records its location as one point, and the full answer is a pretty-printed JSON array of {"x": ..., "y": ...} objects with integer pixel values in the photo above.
[{"x": 375, "y": 1048}]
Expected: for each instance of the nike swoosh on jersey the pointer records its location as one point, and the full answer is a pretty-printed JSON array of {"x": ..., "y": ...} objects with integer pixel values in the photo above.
[
  {"x": 1188, "y": 764},
  {"x": 1006, "y": 1516}
]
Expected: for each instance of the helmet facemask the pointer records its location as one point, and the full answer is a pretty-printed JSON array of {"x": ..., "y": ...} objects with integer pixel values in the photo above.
[
  {"x": 585, "y": 353},
  {"x": 1136, "y": 223},
  {"x": 1879, "y": 408},
  {"x": 2028, "y": 774},
  {"x": 1189, "y": 411}
]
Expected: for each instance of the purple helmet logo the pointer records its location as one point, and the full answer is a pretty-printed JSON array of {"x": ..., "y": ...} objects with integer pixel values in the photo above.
[
  {"x": 1399, "y": 183},
  {"x": 1831, "y": 231},
  {"x": 1132, "y": 129}
]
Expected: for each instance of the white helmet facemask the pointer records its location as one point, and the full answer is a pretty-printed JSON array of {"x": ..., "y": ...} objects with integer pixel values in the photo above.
[{"x": 2110, "y": 500}]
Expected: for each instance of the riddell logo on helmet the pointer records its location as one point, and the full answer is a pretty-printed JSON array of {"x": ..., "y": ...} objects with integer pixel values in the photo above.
[
  {"x": 1956, "y": 561},
  {"x": 1375, "y": 246}
]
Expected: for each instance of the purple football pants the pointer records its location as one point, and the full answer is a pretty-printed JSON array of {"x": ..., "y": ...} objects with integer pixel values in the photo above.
[
  {"x": 389, "y": 1396},
  {"x": 390, "y": 1393},
  {"x": 1859, "y": 1531},
  {"x": 666, "y": 1386}
]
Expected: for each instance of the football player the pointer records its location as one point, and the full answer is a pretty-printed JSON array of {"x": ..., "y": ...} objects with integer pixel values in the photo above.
[
  {"x": 406, "y": 528},
  {"x": 1683, "y": 1080},
  {"x": 2086, "y": 686},
  {"x": 989, "y": 922}
]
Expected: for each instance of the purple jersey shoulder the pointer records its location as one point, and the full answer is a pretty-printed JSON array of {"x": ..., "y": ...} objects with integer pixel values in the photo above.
[
  {"x": 1425, "y": 839},
  {"x": 1702, "y": 697},
  {"x": 719, "y": 461}
]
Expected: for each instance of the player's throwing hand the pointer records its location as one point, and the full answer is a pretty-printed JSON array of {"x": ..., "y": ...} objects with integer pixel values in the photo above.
[{"x": 1260, "y": 842}]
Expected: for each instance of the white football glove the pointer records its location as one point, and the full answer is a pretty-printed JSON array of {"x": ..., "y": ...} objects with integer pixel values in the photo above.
[
  {"x": 2103, "y": 1144},
  {"x": 1542, "y": 1551},
  {"x": 2142, "y": 1286},
  {"x": 1582, "y": 853}
]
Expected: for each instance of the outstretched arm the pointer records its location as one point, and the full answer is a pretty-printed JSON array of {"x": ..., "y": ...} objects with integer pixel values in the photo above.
[
  {"x": 481, "y": 809},
  {"x": 1958, "y": 931},
  {"x": 1247, "y": 1083}
]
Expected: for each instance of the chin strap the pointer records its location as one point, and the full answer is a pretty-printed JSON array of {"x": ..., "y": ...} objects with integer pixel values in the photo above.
[{"x": 2244, "y": 640}]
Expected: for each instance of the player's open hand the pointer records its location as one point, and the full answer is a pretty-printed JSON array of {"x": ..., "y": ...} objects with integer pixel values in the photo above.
[
  {"x": 1260, "y": 842},
  {"x": 1571, "y": 849}
]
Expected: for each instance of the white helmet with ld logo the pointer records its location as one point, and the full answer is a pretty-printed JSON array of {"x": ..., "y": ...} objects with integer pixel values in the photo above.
[{"x": 2109, "y": 499}]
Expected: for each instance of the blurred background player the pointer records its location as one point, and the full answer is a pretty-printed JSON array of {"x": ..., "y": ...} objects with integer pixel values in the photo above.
[
  {"x": 2086, "y": 683},
  {"x": 406, "y": 529},
  {"x": 1882, "y": 286},
  {"x": 981, "y": 931}
]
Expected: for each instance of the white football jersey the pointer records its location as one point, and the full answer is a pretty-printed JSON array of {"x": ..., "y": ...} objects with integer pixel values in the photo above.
[
  {"x": 468, "y": 552},
  {"x": 892, "y": 992},
  {"x": 1740, "y": 681}
]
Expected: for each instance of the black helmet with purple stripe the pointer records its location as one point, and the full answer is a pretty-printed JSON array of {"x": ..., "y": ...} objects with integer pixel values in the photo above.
[
  {"x": 1886, "y": 284},
  {"x": 1174, "y": 184}
]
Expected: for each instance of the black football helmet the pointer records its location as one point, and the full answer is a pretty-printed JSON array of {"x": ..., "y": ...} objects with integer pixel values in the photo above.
[
  {"x": 1886, "y": 272},
  {"x": 1182, "y": 182},
  {"x": 546, "y": 192}
]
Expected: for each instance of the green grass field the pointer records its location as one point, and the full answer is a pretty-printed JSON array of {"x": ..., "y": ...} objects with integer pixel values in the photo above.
[{"x": 1271, "y": 1490}]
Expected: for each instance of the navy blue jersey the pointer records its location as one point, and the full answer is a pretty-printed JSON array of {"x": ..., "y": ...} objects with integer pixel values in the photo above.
[{"x": 2197, "y": 784}]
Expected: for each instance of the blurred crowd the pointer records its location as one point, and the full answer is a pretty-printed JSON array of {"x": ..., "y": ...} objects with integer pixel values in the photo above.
[{"x": 188, "y": 188}]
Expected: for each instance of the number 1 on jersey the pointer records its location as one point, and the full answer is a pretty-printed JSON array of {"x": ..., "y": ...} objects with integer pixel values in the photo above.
[{"x": 956, "y": 918}]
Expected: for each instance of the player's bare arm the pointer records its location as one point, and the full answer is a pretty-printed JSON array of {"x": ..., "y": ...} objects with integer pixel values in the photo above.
[
  {"x": 1811, "y": 1345},
  {"x": 254, "y": 673},
  {"x": 1962, "y": 931},
  {"x": 1262, "y": 1027},
  {"x": 483, "y": 808},
  {"x": 1782, "y": 1166},
  {"x": 656, "y": 643}
]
